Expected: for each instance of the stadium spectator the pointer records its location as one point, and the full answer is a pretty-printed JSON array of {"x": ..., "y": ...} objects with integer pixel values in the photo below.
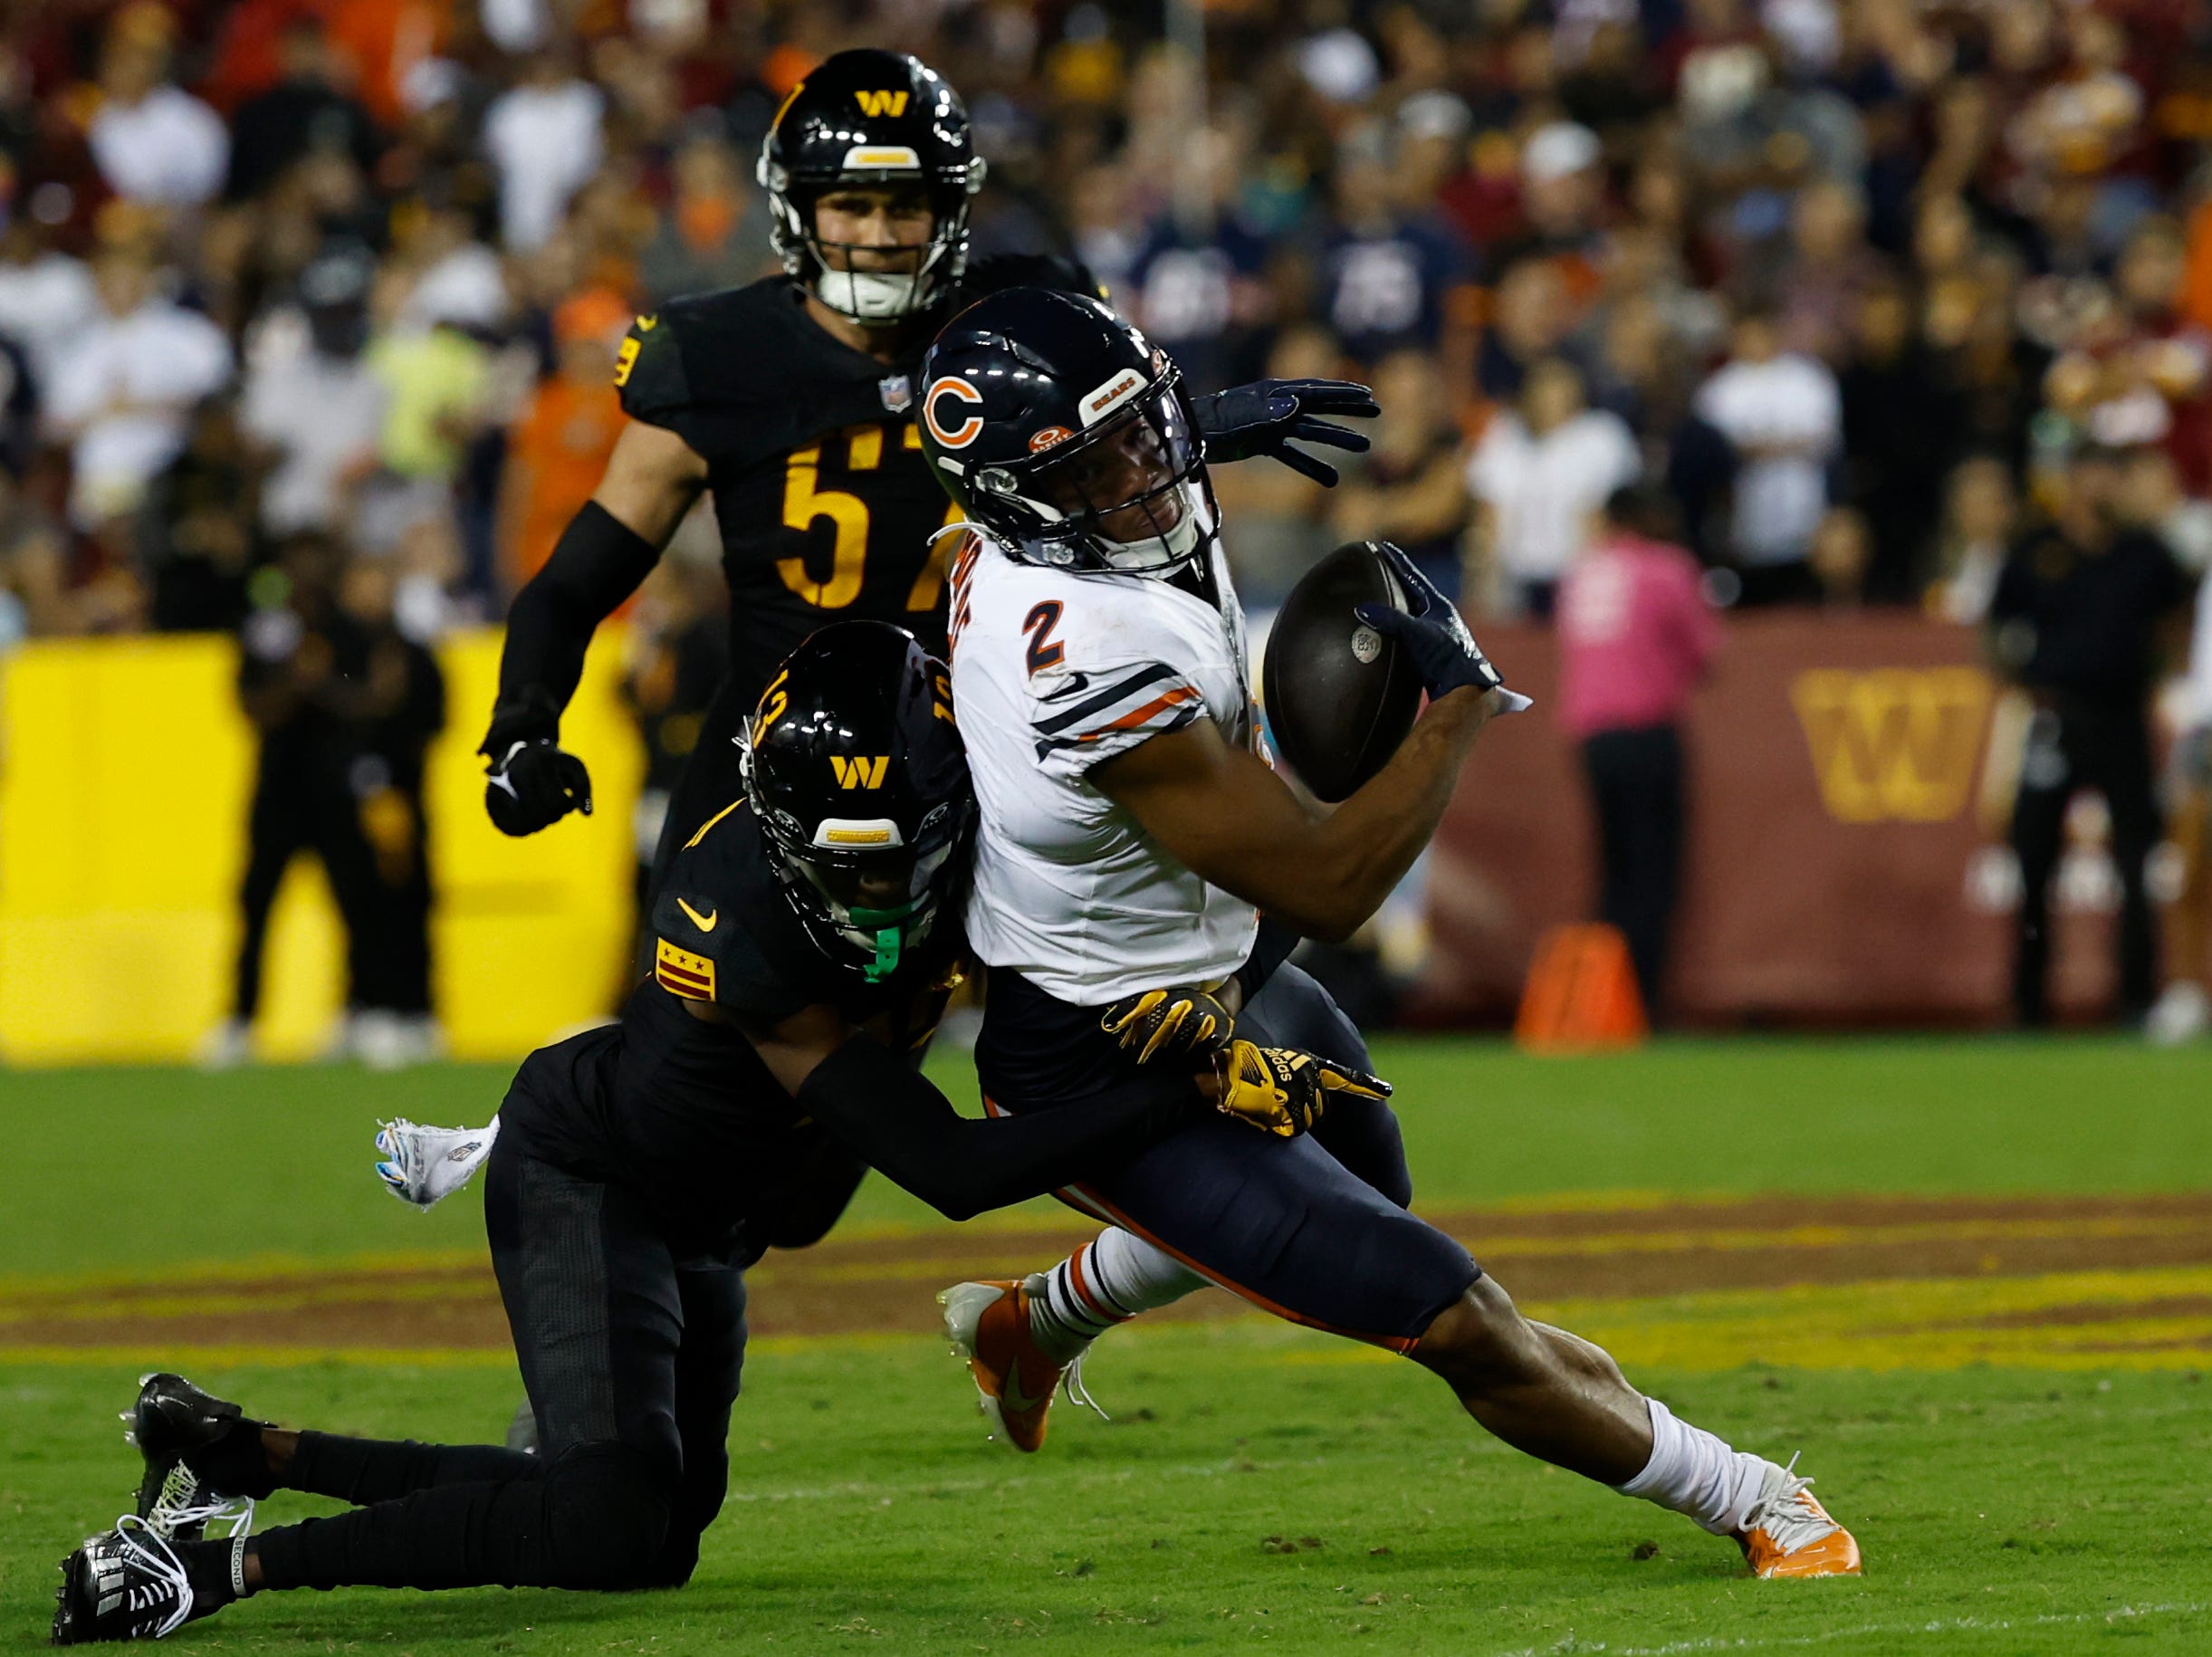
[
  {"x": 35, "y": 600},
  {"x": 1899, "y": 431},
  {"x": 1841, "y": 554},
  {"x": 557, "y": 449},
  {"x": 1976, "y": 537},
  {"x": 304, "y": 113},
  {"x": 1542, "y": 470},
  {"x": 154, "y": 141},
  {"x": 2075, "y": 621},
  {"x": 47, "y": 297},
  {"x": 712, "y": 233},
  {"x": 1781, "y": 413},
  {"x": 1636, "y": 638},
  {"x": 1389, "y": 278},
  {"x": 1412, "y": 487},
  {"x": 125, "y": 387},
  {"x": 198, "y": 537},
  {"x": 311, "y": 399},
  {"x": 543, "y": 135}
]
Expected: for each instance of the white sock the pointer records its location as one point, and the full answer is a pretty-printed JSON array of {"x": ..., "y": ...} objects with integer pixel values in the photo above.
[
  {"x": 1697, "y": 1474},
  {"x": 1108, "y": 1281}
]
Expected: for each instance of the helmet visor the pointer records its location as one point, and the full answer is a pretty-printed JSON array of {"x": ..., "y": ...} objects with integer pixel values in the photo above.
[
  {"x": 875, "y": 890},
  {"x": 1125, "y": 482}
]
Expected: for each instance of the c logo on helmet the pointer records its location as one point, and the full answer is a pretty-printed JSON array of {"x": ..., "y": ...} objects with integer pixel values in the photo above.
[{"x": 957, "y": 436}]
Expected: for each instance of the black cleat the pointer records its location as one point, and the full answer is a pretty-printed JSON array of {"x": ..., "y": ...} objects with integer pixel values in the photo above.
[
  {"x": 171, "y": 1421},
  {"x": 125, "y": 1584}
]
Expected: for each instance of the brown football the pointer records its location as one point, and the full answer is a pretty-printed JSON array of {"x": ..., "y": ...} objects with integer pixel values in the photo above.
[{"x": 1339, "y": 696}]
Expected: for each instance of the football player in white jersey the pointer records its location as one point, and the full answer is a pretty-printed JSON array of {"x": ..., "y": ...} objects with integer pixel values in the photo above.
[{"x": 1131, "y": 834}]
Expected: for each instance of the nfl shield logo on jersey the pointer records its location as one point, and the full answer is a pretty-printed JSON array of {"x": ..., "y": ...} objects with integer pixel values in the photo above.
[{"x": 897, "y": 393}]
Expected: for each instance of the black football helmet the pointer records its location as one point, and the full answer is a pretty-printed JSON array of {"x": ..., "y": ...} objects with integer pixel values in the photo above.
[
  {"x": 870, "y": 118},
  {"x": 1066, "y": 434},
  {"x": 856, "y": 772}
]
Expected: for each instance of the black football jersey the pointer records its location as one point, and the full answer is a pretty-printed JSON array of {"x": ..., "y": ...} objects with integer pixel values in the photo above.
[
  {"x": 825, "y": 505},
  {"x": 684, "y": 1108}
]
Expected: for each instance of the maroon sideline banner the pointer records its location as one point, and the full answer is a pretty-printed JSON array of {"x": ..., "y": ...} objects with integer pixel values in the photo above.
[{"x": 1850, "y": 782}]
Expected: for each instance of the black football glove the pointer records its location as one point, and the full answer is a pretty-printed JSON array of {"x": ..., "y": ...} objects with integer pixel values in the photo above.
[
  {"x": 533, "y": 785},
  {"x": 1444, "y": 652},
  {"x": 1180, "y": 1022},
  {"x": 1263, "y": 417},
  {"x": 1282, "y": 1091}
]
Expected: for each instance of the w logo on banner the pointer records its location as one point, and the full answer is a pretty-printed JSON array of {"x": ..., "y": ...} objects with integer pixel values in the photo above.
[
  {"x": 1894, "y": 743},
  {"x": 858, "y": 771},
  {"x": 893, "y": 104}
]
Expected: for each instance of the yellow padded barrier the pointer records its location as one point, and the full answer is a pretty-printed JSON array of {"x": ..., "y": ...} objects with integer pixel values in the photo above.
[{"x": 125, "y": 771}]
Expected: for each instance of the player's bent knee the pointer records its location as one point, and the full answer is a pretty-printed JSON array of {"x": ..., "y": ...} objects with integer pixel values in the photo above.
[
  {"x": 607, "y": 1510},
  {"x": 1481, "y": 1343}
]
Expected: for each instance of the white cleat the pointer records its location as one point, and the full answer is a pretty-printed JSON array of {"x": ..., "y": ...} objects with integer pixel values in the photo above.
[{"x": 424, "y": 1165}]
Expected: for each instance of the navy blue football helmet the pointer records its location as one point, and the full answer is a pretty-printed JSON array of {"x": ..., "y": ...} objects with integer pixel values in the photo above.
[{"x": 1066, "y": 435}]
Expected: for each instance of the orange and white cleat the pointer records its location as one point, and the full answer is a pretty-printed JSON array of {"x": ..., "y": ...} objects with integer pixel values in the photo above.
[
  {"x": 1787, "y": 1532},
  {"x": 988, "y": 1324}
]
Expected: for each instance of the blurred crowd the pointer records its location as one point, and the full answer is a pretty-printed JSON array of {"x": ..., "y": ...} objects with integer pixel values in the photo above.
[
  {"x": 1857, "y": 284},
  {"x": 1851, "y": 277}
]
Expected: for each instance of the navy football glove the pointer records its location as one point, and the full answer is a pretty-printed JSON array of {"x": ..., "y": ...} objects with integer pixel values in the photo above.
[
  {"x": 533, "y": 786},
  {"x": 1444, "y": 652},
  {"x": 1265, "y": 417}
]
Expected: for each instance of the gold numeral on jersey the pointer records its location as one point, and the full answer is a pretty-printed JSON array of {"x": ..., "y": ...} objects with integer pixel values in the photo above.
[
  {"x": 803, "y": 502},
  {"x": 929, "y": 585},
  {"x": 865, "y": 450}
]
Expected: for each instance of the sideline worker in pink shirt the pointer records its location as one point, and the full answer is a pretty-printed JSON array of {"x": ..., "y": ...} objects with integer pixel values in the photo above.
[{"x": 1636, "y": 637}]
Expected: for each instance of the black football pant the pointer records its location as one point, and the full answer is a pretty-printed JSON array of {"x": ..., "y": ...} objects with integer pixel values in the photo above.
[
  {"x": 1636, "y": 787},
  {"x": 631, "y": 1351},
  {"x": 299, "y": 808},
  {"x": 2074, "y": 745}
]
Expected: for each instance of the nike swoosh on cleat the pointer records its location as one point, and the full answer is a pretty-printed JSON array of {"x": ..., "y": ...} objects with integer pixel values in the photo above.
[{"x": 1011, "y": 1397}]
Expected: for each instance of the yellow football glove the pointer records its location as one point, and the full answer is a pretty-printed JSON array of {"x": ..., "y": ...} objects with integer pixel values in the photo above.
[
  {"x": 1182, "y": 1021},
  {"x": 1282, "y": 1091}
]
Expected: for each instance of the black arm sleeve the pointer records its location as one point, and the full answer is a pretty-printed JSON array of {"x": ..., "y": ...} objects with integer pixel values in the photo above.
[
  {"x": 599, "y": 562},
  {"x": 866, "y": 1094}
]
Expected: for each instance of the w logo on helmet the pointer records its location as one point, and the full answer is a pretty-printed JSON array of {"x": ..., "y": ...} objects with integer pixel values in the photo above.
[
  {"x": 893, "y": 104},
  {"x": 859, "y": 771}
]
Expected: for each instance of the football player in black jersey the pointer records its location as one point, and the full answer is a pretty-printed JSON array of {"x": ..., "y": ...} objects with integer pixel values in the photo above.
[
  {"x": 790, "y": 402},
  {"x": 807, "y": 935}
]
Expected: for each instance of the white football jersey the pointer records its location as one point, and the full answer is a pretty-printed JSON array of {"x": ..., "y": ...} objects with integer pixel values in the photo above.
[{"x": 1053, "y": 671}]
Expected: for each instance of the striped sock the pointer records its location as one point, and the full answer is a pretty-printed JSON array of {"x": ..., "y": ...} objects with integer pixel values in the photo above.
[{"x": 1107, "y": 1281}]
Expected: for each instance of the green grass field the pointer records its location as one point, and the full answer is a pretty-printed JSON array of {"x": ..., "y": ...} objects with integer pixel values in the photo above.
[{"x": 1259, "y": 1483}]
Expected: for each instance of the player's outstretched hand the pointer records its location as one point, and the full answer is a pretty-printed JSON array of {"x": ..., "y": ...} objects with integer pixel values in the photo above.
[
  {"x": 1182, "y": 1021},
  {"x": 1265, "y": 417},
  {"x": 1282, "y": 1091},
  {"x": 533, "y": 786},
  {"x": 1444, "y": 652}
]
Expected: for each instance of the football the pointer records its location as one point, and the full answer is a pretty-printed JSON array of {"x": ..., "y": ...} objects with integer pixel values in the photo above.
[{"x": 1339, "y": 696}]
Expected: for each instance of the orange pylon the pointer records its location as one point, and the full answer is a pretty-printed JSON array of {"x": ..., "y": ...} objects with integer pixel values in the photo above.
[{"x": 1581, "y": 994}]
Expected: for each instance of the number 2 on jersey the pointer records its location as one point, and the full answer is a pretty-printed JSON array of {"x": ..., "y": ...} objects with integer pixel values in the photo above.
[{"x": 1044, "y": 649}]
